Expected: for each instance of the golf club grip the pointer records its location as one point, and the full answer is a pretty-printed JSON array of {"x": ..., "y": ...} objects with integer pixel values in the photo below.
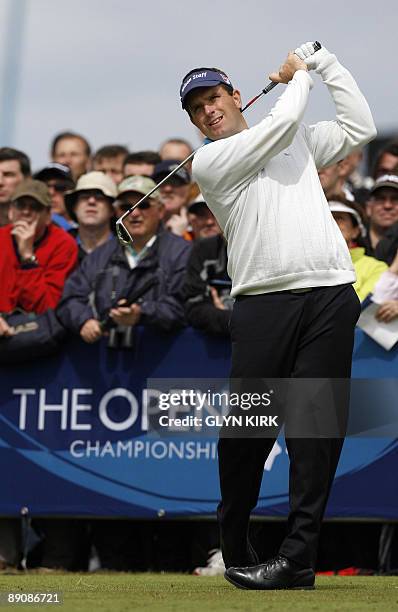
[
  {"x": 317, "y": 46},
  {"x": 272, "y": 84}
]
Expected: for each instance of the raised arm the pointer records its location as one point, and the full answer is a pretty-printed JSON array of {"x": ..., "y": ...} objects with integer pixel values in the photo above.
[
  {"x": 330, "y": 141},
  {"x": 225, "y": 165}
]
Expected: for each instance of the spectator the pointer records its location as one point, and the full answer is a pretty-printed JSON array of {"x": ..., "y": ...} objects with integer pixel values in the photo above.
[
  {"x": 367, "y": 269},
  {"x": 14, "y": 168},
  {"x": 175, "y": 148},
  {"x": 201, "y": 220},
  {"x": 90, "y": 205},
  {"x": 174, "y": 193},
  {"x": 386, "y": 160},
  {"x": 73, "y": 150},
  {"x": 207, "y": 286},
  {"x": 387, "y": 247},
  {"x": 110, "y": 160},
  {"x": 334, "y": 178},
  {"x": 97, "y": 289},
  {"x": 142, "y": 163},
  {"x": 382, "y": 210},
  {"x": 386, "y": 293},
  {"x": 58, "y": 179},
  {"x": 35, "y": 255},
  {"x": 356, "y": 185}
]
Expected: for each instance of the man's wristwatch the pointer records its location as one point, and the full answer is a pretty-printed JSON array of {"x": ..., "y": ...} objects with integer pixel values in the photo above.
[{"x": 31, "y": 260}]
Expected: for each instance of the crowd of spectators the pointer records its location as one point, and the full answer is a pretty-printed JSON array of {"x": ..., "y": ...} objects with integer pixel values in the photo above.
[
  {"x": 57, "y": 236},
  {"x": 58, "y": 248}
]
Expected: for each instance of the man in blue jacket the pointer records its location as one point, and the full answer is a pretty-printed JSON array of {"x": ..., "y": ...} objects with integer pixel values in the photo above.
[{"x": 98, "y": 294}]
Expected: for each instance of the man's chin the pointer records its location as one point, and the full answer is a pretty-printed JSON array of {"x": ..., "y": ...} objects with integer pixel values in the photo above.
[
  {"x": 135, "y": 233},
  {"x": 220, "y": 134}
]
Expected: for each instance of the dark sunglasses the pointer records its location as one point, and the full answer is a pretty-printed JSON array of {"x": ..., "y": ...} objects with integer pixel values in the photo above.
[
  {"x": 33, "y": 206},
  {"x": 124, "y": 206},
  {"x": 59, "y": 187}
]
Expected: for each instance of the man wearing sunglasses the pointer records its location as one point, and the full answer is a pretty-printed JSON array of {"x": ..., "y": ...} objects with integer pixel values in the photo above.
[
  {"x": 152, "y": 268},
  {"x": 58, "y": 179},
  {"x": 35, "y": 255}
]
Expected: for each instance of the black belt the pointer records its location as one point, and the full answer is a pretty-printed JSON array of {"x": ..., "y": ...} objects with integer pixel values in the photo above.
[{"x": 301, "y": 290}]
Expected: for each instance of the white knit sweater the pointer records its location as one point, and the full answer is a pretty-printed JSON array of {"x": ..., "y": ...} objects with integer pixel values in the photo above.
[{"x": 262, "y": 185}]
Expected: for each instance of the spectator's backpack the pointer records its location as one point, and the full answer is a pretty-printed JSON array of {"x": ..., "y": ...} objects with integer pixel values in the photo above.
[{"x": 35, "y": 336}]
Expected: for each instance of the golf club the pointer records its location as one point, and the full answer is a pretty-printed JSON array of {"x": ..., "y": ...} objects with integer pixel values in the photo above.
[{"x": 122, "y": 232}]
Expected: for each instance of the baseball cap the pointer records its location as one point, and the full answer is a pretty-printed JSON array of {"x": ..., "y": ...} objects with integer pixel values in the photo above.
[
  {"x": 54, "y": 170},
  {"x": 386, "y": 180},
  {"x": 166, "y": 166},
  {"x": 87, "y": 182},
  {"x": 202, "y": 78},
  {"x": 197, "y": 205},
  {"x": 33, "y": 189},
  {"x": 340, "y": 207},
  {"x": 139, "y": 184}
]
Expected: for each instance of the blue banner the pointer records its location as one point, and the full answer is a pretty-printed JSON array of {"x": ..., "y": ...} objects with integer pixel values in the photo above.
[{"x": 74, "y": 437}]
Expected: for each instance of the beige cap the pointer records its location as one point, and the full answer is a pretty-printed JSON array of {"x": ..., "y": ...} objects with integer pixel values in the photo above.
[
  {"x": 33, "y": 189},
  {"x": 139, "y": 184},
  {"x": 87, "y": 182}
]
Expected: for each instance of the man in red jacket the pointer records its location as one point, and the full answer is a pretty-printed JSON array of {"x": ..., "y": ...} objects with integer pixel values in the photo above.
[{"x": 35, "y": 255}]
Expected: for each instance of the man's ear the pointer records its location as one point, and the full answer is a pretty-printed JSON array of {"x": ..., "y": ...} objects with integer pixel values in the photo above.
[{"x": 237, "y": 98}]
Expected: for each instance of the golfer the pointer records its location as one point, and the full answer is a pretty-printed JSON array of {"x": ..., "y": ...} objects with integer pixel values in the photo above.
[{"x": 295, "y": 308}]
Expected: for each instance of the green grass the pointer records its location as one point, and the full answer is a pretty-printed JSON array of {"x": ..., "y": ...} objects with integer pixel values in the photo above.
[{"x": 116, "y": 592}]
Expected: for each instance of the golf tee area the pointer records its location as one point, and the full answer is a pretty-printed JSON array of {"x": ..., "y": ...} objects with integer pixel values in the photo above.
[{"x": 116, "y": 592}]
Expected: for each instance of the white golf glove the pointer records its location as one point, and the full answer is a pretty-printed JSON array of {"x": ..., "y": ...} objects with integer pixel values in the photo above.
[{"x": 306, "y": 53}]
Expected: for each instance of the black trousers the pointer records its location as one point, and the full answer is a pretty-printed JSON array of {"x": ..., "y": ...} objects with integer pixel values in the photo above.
[{"x": 284, "y": 334}]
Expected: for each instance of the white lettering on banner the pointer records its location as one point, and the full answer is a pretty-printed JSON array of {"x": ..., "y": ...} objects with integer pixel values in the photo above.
[
  {"x": 148, "y": 449},
  {"x": 107, "y": 449},
  {"x": 23, "y": 404},
  {"x": 149, "y": 407},
  {"x": 93, "y": 448},
  {"x": 73, "y": 449},
  {"x": 76, "y": 407},
  {"x": 103, "y": 409},
  {"x": 68, "y": 405},
  {"x": 139, "y": 445},
  {"x": 43, "y": 408},
  {"x": 163, "y": 450}
]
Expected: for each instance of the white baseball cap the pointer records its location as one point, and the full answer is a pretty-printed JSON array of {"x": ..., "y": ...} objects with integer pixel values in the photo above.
[{"x": 340, "y": 207}]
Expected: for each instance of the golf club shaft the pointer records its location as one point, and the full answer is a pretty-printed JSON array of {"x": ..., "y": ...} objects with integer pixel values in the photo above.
[
  {"x": 187, "y": 159},
  {"x": 263, "y": 92}
]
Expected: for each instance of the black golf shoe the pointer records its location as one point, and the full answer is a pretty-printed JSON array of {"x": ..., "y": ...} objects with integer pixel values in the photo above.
[{"x": 277, "y": 573}]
